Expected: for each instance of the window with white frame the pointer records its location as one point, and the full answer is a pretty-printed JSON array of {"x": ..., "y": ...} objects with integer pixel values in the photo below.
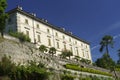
[
  {"x": 38, "y": 38},
  {"x": 26, "y": 21},
  {"x": 49, "y": 42}
]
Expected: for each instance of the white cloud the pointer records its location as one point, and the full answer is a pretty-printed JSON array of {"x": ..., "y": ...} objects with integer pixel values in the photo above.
[
  {"x": 114, "y": 26},
  {"x": 95, "y": 47}
]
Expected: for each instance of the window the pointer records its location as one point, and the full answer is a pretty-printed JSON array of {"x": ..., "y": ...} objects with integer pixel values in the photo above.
[
  {"x": 77, "y": 51},
  {"x": 81, "y": 45},
  {"x": 83, "y": 53},
  {"x": 38, "y": 36},
  {"x": 87, "y": 54},
  {"x": 26, "y": 21},
  {"x": 63, "y": 37},
  {"x": 75, "y": 42},
  {"x": 49, "y": 42},
  {"x": 58, "y": 45},
  {"x": 48, "y": 31},
  {"x": 27, "y": 33},
  {"x": 37, "y": 25},
  {"x": 56, "y": 34},
  {"x": 69, "y": 39}
]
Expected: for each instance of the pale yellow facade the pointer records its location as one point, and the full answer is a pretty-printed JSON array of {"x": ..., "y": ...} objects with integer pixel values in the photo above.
[{"x": 43, "y": 33}]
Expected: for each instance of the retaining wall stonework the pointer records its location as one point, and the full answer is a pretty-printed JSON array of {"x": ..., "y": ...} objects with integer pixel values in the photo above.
[{"x": 24, "y": 52}]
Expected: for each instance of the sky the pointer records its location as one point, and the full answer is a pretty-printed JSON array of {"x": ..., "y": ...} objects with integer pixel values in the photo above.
[{"x": 88, "y": 19}]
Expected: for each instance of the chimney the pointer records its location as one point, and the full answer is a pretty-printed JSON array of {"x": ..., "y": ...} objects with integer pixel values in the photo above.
[
  {"x": 33, "y": 14},
  {"x": 19, "y": 7},
  {"x": 63, "y": 29}
]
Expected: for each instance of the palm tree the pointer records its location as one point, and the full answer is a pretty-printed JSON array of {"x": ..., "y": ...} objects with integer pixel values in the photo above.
[
  {"x": 118, "y": 62},
  {"x": 105, "y": 42},
  {"x": 52, "y": 51},
  {"x": 43, "y": 48}
]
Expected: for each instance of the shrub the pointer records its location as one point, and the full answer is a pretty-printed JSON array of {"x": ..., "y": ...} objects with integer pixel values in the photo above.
[
  {"x": 43, "y": 48},
  {"x": 6, "y": 66},
  {"x": 67, "y": 77},
  {"x": 66, "y": 53},
  {"x": 22, "y": 37},
  {"x": 52, "y": 51},
  {"x": 28, "y": 72},
  {"x": 86, "y": 61},
  {"x": 77, "y": 68}
]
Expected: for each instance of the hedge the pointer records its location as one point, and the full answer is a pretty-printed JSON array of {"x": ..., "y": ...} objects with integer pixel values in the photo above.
[{"x": 77, "y": 68}]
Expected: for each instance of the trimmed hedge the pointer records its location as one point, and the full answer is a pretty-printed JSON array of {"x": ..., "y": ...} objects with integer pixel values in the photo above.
[
  {"x": 117, "y": 69},
  {"x": 77, "y": 68},
  {"x": 67, "y": 77}
]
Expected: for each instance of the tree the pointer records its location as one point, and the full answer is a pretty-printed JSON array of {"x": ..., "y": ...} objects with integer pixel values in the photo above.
[
  {"x": 118, "y": 62},
  {"x": 69, "y": 54},
  {"x": 52, "y": 51},
  {"x": 43, "y": 48},
  {"x": 66, "y": 53},
  {"x": 105, "y": 42},
  {"x": 105, "y": 62},
  {"x": 108, "y": 63},
  {"x": 3, "y": 16}
]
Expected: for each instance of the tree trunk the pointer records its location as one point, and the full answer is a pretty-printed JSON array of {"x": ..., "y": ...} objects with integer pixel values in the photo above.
[
  {"x": 107, "y": 51},
  {"x": 2, "y": 35},
  {"x": 115, "y": 73}
]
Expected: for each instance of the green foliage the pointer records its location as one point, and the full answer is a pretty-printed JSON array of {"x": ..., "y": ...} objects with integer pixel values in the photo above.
[
  {"x": 43, "y": 48},
  {"x": 5, "y": 78},
  {"x": 6, "y": 66},
  {"x": 52, "y": 51},
  {"x": 118, "y": 62},
  {"x": 32, "y": 71},
  {"x": 86, "y": 78},
  {"x": 105, "y": 62},
  {"x": 94, "y": 78},
  {"x": 77, "y": 68},
  {"x": 86, "y": 61},
  {"x": 117, "y": 69},
  {"x": 3, "y": 15},
  {"x": 66, "y": 53},
  {"x": 77, "y": 58},
  {"x": 67, "y": 77},
  {"x": 22, "y": 37},
  {"x": 105, "y": 42}
]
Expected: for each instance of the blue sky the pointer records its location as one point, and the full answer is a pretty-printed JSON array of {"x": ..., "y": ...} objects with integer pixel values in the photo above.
[{"x": 88, "y": 19}]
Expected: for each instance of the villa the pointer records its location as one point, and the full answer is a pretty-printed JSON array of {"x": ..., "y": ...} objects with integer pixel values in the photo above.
[{"x": 41, "y": 32}]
